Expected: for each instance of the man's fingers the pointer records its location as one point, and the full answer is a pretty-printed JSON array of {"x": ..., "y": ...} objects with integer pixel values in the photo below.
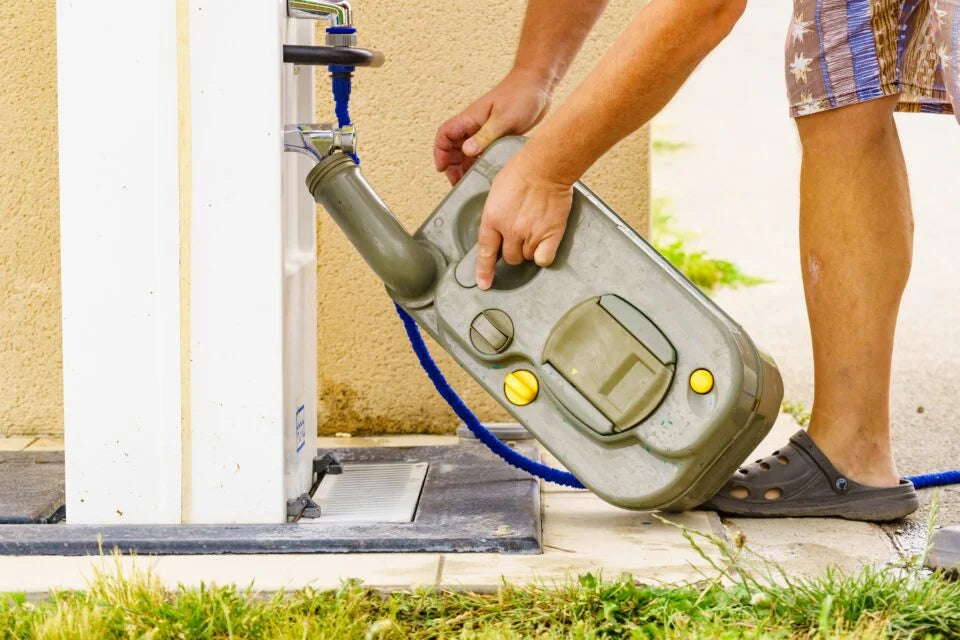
[
  {"x": 454, "y": 172},
  {"x": 490, "y": 131},
  {"x": 488, "y": 246},
  {"x": 449, "y": 139},
  {"x": 529, "y": 247},
  {"x": 512, "y": 250},
  {"x": 546, "y": 251}
]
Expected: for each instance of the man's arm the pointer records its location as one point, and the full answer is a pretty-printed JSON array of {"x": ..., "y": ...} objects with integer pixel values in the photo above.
[
  {"x": 634, "y": 80},
  {"x": 526, "y": 212},
  {"x": 553, "y": 32}
]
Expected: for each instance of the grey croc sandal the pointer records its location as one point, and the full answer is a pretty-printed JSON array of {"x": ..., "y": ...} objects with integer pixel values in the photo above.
[{"x": 798, "y": 480}]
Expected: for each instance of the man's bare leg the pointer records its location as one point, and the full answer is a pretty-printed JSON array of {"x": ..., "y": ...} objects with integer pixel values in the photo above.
[{"x": 856, "y": 244}]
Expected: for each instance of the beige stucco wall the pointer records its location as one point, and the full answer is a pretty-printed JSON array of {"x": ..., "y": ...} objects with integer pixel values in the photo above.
[
  {"x": 440, "y": 56},
  {"x": 30, "y": 382}
]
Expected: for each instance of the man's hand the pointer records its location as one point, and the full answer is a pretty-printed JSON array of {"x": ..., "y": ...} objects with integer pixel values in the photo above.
[
  {"x": 524, "y": 217},
  {"x": 512, "y": 107}
]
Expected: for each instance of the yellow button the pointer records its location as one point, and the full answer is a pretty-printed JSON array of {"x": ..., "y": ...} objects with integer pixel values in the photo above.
[
  {"x": 521, "y": 387},
  {"x": 701, "y": 381}
]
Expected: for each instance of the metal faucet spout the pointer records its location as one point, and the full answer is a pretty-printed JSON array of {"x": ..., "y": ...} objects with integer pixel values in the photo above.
[
  {"x": 318, "y": 141},
  {"x": 338, "y": 13}
]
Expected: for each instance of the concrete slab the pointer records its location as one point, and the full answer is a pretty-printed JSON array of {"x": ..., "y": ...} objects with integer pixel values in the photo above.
[
  {"x": 46, "y": 443},
  {"x": 31, "y": 487},
  {"x": 808, "y": 546},
  {"x": 412, "y": 440},
  {"x": 39, "y": 574},
  {"x": 581, "y": 534},
  {"x": 16, "y": 443},
  {"x": 945, "y": 550}
]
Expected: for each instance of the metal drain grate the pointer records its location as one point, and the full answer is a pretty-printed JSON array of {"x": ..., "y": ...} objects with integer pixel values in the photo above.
[{"x": 371, "y": 492}]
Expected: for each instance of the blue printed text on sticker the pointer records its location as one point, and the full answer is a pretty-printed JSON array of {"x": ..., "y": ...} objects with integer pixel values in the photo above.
[{"x": 301, "y": 426}]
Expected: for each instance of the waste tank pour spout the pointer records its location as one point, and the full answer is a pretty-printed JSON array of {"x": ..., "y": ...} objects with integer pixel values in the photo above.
[{"x": 407, "y": 267}]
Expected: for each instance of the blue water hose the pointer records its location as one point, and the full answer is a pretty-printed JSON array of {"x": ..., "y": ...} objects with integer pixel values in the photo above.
[
  {"x": 938, "y": 479},
  {"x": 480, "y": 432},
  {"x": 342, "y": 80}
]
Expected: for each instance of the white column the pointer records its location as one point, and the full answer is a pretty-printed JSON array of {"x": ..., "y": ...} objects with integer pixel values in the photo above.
[
  {"x": 253, "y": 291},
  {"x": 119, "y": 239},
  {"x": 299, "y": 278}
]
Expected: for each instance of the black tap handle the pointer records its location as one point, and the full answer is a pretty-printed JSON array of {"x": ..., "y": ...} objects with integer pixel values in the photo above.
[{"x": 324, "y": 56}]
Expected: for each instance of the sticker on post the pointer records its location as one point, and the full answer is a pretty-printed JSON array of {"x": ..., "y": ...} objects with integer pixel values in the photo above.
[{"x": 301, "y": 427}]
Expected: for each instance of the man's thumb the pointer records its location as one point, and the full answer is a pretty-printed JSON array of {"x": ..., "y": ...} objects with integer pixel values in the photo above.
[{"x": 489, "y": 132}]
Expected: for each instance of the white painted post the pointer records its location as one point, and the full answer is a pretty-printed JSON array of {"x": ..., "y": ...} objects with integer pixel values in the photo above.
[
  {"x": 253, "y": 288},
  {"x": 299, "y": 278},
  {"x": 120, "y": 252},
  {"x": 251, "y": 429}
]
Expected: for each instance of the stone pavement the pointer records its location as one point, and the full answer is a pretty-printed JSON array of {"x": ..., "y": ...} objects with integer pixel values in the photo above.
[
  {"x": 737, "y": 186},
  {"x": 581, "y": 534}
]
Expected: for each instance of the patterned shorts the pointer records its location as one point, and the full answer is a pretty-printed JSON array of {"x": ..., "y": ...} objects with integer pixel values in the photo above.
[{"x": 841, "y": 52}]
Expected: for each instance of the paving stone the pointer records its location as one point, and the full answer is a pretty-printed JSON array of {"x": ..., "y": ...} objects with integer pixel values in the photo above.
[
  {"x": 15, "y": 443},
  {"x": 38, "y": 574},
  {"x": 412, "y": 440},
  {"x": 945, "y": 550},
  {"x": 46, "y": 443},
  {"x": 808, "y": 546},
  {"x": 584, "y": 534},
  {"x": 31, "y": 487}
]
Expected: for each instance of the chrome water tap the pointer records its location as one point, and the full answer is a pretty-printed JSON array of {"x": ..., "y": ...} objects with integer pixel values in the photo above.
[
  {"x": 319, "y": 140},
  {"x": 337, "y": 12}
]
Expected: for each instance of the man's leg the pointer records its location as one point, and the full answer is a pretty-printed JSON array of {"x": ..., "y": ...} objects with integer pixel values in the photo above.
[{"x": 856, "y": 241}]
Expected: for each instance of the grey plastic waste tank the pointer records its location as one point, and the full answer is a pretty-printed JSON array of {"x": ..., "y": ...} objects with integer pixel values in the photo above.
[{"x": 634, "y": 379}]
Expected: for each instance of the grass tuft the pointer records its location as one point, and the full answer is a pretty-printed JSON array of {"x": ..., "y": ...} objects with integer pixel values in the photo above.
[
  {"x": 663, "y": 146},
  {"x": 798, "y": 411},
  {"x": 704, "y": 271}
]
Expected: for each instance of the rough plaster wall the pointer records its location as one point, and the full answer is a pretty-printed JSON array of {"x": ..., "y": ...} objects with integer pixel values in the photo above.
[
  {"x": 31, "y": 388},
  {"x": 440, "y": 56},
  {"x": 368, "y": 378}
]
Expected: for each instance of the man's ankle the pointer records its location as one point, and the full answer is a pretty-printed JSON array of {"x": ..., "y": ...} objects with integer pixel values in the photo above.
[{"x": 863, "y": 456}]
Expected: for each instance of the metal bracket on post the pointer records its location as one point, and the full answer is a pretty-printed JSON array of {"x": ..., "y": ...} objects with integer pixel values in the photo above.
[{"x": 303, "y": 506}]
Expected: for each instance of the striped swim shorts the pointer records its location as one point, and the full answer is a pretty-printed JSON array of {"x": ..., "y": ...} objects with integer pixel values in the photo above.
[{"x": 841, "y": 52}]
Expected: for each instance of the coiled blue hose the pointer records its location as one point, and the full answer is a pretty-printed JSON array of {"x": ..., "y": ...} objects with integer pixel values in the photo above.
[{"x": 342, "y": 81}]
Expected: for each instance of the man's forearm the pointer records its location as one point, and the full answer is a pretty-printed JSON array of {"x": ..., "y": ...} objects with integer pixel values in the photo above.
[
  {"x": 553, "y": 32},
  {"x": 644, "y": 68}
]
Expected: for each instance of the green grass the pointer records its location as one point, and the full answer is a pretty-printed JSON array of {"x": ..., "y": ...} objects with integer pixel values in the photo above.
[
  {"x": 706, "y": 272},
  {"x": 745, "y": 597},
  {"x": 662, "y": 145},
  {"x": 798, "y": 411}
]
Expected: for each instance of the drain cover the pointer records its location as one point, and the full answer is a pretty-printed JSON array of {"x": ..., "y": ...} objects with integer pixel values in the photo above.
[{"x": 371, "y": 492}]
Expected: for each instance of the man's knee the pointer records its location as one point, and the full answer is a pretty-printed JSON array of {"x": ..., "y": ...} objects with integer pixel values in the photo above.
[{"x": 856, "y": 127}]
